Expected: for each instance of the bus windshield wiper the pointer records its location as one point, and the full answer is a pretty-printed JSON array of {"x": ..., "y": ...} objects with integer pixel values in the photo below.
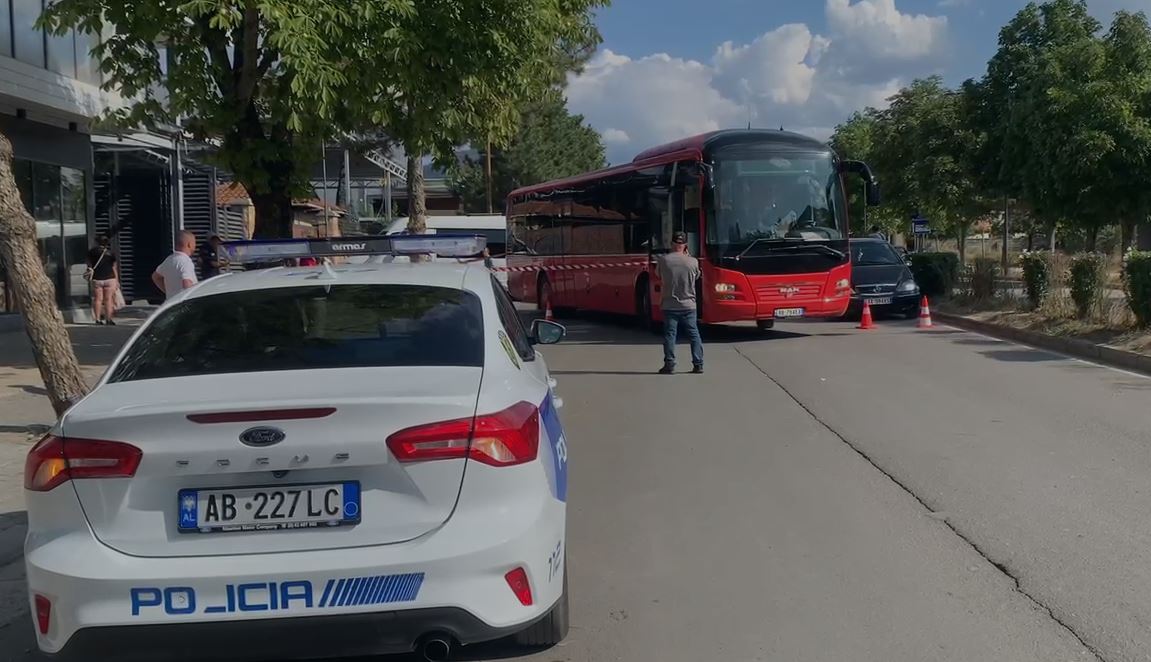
[{"x": 791, "y": 245}]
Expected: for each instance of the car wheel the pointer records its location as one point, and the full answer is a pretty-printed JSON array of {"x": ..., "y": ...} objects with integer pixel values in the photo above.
[{"x": 551, "y": 629}]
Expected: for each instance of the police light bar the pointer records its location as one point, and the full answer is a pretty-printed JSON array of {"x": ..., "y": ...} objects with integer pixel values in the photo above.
[{"x": 272, "y": 250}]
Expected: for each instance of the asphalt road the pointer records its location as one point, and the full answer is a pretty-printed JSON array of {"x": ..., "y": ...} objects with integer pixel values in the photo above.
[{"x": 827, "y": 494}]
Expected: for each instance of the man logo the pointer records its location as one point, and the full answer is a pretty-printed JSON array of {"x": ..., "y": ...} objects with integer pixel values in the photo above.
[
  {"x": 789, "y": 292},
  {"x": 261, "y": 436}
]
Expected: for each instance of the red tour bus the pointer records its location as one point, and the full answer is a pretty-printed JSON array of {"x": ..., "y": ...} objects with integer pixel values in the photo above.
[{"x": 764, "y": 211}]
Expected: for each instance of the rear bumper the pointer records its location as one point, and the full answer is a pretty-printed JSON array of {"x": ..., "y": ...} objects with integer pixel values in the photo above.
[
  {"x": 902, "y": 303},
  {"x": 300, "y": 639},
  {"x": 450, "y": 580},
  {"x": 748, "y": 311}
]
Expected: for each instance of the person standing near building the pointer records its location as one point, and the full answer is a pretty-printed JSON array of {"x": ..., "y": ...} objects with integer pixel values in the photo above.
[
  {"x": 678, "y": 273},
  {"x": 177, "y": 272},
  {"x": 104, "y": 274}
]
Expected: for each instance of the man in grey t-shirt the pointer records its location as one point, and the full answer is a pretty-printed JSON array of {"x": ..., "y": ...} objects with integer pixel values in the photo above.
[{"x": 679, "y": 272}]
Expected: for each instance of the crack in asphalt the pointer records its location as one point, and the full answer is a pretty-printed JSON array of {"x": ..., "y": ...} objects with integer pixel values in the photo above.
[{"x": 1000, "y": 566}]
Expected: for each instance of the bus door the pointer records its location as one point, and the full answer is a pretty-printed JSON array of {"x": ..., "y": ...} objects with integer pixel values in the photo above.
[{"x": 676, "y": 208}]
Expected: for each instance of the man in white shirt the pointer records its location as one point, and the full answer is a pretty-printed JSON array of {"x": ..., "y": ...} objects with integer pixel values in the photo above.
[{"x": 177, "y": 272}]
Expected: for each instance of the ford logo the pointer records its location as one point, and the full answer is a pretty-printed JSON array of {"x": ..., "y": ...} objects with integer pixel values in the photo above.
[{"x": 262, "y": 436}]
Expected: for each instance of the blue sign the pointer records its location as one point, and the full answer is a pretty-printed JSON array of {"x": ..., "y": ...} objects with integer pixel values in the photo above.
[{"x": 919, "y": 225}]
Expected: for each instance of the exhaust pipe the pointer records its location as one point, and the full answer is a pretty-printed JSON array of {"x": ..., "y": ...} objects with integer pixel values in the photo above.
[{"x": 436, "y": 648}]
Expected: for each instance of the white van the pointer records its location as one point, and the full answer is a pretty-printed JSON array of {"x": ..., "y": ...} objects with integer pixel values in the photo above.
[{"x": 492, "y": 226}]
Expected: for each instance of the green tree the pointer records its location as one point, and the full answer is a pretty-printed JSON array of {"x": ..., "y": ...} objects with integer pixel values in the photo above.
[
  {"x": 858, "y": 139},
  {"x": 266, "y": 80},
  {"x": 466, "y": 69},
  {"x": 550, "y": 143},
  {"x": 269, "y": 80}
]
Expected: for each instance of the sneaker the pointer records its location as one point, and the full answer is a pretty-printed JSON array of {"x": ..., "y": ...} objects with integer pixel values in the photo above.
[
  {"x": 110, "y": 322},
  {"x": 697, "y": 370},
  {"x": 667, "y": 370},
  {"x": 99, "y": 322}
]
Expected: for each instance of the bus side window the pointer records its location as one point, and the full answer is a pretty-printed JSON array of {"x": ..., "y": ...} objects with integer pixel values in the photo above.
[{"x": 686, "y": 204}]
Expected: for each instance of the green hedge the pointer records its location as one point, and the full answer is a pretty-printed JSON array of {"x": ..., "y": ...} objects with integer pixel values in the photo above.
[
  {"x": 1036, "y": 276},
  {"x": 1137, "y": 282},
  {"x": 1088, "y": 277},
  {"x": 936, "y": 273}
]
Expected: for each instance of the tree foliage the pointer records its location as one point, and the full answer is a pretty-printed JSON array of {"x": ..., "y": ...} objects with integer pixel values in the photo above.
[
  {"x": 1061, "y": 122},
  {"x": 269, "y": 80},
  {"x": 550, "y": 143}
]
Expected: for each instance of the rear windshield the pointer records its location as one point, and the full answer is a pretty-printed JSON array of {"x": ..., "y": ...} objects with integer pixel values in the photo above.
[{"x": 312, "y": 327}]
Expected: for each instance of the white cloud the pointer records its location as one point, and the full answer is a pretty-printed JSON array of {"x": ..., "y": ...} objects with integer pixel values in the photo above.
[
  {"x": 788, "y": 77},
  {"x": 615, "y": 137}
]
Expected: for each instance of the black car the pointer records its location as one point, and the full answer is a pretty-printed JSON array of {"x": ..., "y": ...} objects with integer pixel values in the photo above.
[{"x": 881, "y": 275}]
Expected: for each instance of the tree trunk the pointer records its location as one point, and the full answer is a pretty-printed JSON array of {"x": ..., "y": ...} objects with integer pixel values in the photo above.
[
  {"x": 1053, "y": 237},
  {"x": 35, "y": 294},
  {"x": 961, "y": 241},
  {"x": 417, "y": 197},
  {"x": 1126, "y": 234},
  {"x": 1143, "y": 236},
  {"x": 273, "y": 214},
  {"x": 1092, "y": 238}
]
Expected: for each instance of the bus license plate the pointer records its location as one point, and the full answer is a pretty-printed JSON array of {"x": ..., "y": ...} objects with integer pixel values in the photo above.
[
  {"x": 788, "y": 312},
  {"x": 269, "y": 508}
]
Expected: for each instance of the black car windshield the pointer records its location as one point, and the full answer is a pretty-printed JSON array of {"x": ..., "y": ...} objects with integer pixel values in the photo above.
[
  {"x": 873, "y": 252},
  {"x": 309, "y": 327},
  {"x": 792, "y": 196}
]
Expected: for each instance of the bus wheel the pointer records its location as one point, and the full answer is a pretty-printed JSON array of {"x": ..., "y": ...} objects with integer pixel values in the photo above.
[
  {"x": 765, "y": 325},
  {"x": 643, "y": 309}
]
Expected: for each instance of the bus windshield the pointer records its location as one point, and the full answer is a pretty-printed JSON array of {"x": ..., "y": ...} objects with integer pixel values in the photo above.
[{"x": 763, "y": 202}]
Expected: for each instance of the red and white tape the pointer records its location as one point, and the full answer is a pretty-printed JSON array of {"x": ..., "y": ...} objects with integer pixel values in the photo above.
[{"x": 570, "y": 267}]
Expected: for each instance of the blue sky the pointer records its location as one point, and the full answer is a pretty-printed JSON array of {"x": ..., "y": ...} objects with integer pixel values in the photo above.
[{"x": 670, "y": 68}]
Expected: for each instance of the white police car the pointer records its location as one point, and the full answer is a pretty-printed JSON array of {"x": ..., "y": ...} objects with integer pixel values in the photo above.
[{"x": 308, "y": 462}]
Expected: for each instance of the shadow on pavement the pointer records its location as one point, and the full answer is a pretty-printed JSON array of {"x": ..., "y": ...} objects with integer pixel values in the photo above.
[
  {"x": 94, "y": 345},
  {"x": 1022, "y": 355}
]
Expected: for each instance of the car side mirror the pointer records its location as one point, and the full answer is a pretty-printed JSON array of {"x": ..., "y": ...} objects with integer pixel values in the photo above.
[{"x": 547, "y": 333}]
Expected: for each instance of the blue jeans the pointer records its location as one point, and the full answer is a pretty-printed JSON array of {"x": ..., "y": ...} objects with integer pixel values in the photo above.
[{"x": 672, "y": 319}]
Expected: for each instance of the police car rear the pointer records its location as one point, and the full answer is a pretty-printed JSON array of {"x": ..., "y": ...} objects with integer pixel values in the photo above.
[{"x": 350, "y": 460}]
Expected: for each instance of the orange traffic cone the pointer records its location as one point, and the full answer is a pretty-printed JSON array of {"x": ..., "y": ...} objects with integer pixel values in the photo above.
[
  {"x": 924, "y": 315},
  {"x": 865, "y": 322},
  {"x": 548, "y": 312}
]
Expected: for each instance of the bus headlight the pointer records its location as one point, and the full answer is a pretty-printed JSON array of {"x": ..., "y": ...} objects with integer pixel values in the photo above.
[
  {"x": 725, "y": 288},
  {"x": 842, "y": 285}
]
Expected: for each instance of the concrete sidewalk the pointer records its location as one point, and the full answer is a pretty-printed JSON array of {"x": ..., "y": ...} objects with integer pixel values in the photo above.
[{"x": 25, "y": 414}]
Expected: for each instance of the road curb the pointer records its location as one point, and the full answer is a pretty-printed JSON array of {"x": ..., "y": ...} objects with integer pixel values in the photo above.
[{"x": 1112, "y": 356}]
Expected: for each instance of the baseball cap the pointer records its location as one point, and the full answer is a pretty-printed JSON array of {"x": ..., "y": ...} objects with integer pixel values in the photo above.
[{"x": 679, "y": 238}]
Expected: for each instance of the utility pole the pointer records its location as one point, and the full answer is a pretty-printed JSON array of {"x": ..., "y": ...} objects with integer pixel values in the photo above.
[{"x": 488, "y": 174}]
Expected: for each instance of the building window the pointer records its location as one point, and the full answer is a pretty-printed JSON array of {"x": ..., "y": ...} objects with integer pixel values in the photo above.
[
  {"x": 87, "y": 65},
  {"x": 57, "y": 198},
  {"x": 29, "y": 42},
  {"x": 74, "y": 229},
  {"x": 62, "y": 54}
]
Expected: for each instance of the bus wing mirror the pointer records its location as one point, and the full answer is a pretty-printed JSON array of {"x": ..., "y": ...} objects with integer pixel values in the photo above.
[
  {"x": 708, "y": 174},
  {"x": 863, "y": 170}
]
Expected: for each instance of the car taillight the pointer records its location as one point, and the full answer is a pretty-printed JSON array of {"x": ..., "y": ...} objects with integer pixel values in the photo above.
[
  {"x": 43, "y": 614},
  {"x": 518, "y": 582},
  {"x": 56, "y": 460},
  {"x": 501, "y": 439}
]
